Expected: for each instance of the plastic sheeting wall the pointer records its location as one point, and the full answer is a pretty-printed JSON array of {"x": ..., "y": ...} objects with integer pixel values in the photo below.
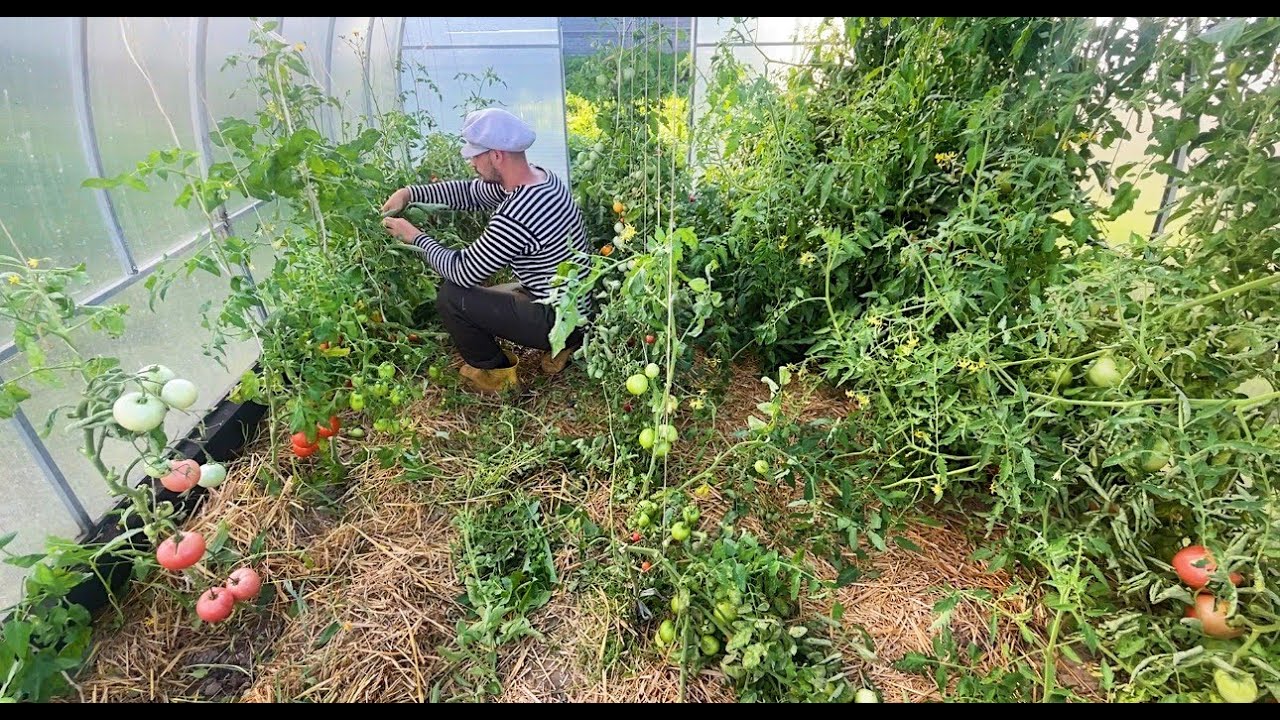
[{"x": 86, "y": 97}]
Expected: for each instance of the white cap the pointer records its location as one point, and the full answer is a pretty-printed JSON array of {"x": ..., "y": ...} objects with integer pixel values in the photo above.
[{"x": 495, "y": 129}]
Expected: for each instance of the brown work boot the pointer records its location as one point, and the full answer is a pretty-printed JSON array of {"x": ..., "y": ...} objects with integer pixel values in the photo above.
[
  {"x": 555, "y": 365},
  {"x": 493, "y": 381}
]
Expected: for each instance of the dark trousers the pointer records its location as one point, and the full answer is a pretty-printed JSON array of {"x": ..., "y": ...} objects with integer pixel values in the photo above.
[{"x": 475, "y": 317}]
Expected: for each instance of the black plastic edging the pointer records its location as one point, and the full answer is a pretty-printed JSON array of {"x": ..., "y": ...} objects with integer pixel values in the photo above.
[{"x": 227, "y": 428}]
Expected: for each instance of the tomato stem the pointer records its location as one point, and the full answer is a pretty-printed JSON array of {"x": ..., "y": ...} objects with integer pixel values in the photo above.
[
  {"x": 1243, "y": 287},
  {"x": 639, "y": 550},
  {"x": 1241, "y": 402},
  {"x": 1067, "y": 361}
]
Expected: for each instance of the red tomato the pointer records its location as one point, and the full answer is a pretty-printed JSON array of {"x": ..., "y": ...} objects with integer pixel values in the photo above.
[
  {"x": 215, "y": 605},
  {"x": 300, "y": 439},
  {"x": 180, "y": 551},
  {"x": 307, "y": 451},
  {"x": 1194, "y": 565},
  {"x": 244, "y": 584},
  {"x": 1213, "y": 617},
  {"x": 332, "y": 429},
  {"x": 183, "y": 475}
]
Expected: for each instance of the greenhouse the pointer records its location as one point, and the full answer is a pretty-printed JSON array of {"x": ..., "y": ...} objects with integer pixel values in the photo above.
[{"x": 640, "y": 359}]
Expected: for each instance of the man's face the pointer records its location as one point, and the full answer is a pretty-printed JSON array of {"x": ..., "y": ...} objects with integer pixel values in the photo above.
[{"x": 486, "y": 167}]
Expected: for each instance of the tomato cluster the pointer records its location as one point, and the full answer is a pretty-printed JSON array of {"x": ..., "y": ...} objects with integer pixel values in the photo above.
[{"x": 303, "y": 446}]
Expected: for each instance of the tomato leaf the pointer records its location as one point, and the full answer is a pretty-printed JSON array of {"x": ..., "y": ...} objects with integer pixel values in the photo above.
[
  {"x": 327, "y": 634},
  {"x": 913, "y": 662},
  {"x": 905, "y": 542},
  {"x": 25, "y": 561}
]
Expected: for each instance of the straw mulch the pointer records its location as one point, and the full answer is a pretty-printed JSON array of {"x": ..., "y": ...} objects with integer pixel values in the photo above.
[{"x": 360, "y": 589}]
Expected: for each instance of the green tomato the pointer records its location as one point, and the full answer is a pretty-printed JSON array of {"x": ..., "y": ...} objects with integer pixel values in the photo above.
[
  {"x": 1235, "y": 690},
  {"x": 386, "y": 371},
  {"x": 179, "y": 393},
  {"x": 154, "y": 377},
  {"x": 212, "y": 475},
  {"x": 138, "y": 412},
  {"x": 661, "y": 448},
  {"x": 357, "y": 402},
  {"x": 680, "y": 532},
  {"x": 1156, "y": 455},
  {"x": 644, "y": 520},
  {"x": 762, "y": 467},
  {"x": 1104, "y": 372},
  {"x": 1238, "y": 341},
  {"x": 155, "y": 466},
  {"x": 651, "y": 370},
  {"x": 726, "y": 612},
  {"x": 1059, "y": 376},
  {"x": 646, "y": 438},
  {"x": 865, "y": 695},
  {"x": 637, "y": 384},
  {"x": 668, "y": 433},
  {"x": 679, "y": 602},
  {"x": 667, "y": 631},
  {"x": 710, "y": 645},
  {"x": 691, "y": 514}
]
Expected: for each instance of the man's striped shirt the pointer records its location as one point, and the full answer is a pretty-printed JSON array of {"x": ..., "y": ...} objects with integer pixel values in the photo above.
[{"x": 533, "y": 229}]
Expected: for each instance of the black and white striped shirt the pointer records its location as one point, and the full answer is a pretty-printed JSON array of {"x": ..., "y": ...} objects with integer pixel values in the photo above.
[{"x": 534, "y": 228}]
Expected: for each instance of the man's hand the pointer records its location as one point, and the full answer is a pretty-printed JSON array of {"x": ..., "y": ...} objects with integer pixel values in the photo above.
[
  {"x": 401, "y": 228},
  {"x": 398, "y": 201}
]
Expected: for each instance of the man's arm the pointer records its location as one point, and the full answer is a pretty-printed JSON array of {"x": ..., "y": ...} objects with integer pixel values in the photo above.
[
  {"x": 460, "y": 194},
  {"x": 501, "y": 241}
]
